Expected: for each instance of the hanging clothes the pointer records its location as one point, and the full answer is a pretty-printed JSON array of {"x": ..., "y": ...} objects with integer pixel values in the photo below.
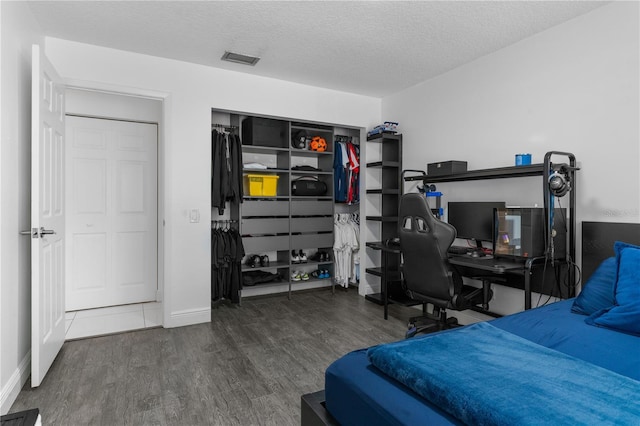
[
  {"x": 346, "y": 171},
  {"x": 226, "y": 176},
  {"x": 227, "y": 252},
  {"x": 353, "y": 192},
  {"x": 345, "y": 249},
  {"x": 339, "y": 175}
]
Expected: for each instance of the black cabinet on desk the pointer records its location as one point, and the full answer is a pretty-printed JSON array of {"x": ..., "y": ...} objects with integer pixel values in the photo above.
[{"x": 386, "y": 197}]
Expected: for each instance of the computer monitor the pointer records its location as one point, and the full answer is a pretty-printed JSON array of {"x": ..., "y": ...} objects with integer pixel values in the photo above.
[{"x": 473, "y": 220}]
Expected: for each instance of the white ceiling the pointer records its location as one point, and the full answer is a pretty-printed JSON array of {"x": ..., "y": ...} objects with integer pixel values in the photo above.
[{"x": 368, "y": 47}]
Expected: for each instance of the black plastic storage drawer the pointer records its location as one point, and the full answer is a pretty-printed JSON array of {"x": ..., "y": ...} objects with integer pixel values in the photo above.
[{"x": 265, "y": 132}]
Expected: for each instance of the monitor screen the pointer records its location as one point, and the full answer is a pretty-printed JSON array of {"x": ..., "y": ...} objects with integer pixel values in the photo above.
[{"x": 473, "y": 220}]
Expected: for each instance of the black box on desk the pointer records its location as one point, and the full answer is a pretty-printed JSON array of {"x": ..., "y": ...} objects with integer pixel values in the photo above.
[
  {"x": 446, "y": 168},
  {"x": 521, "y": 233},
  {"x": 264, "y": 132}
]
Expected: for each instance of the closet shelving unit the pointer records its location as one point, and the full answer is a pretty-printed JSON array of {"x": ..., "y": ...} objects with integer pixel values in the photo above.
[
  {"x": 277, "y": 225},
  {"x": 389, "y": 167}
]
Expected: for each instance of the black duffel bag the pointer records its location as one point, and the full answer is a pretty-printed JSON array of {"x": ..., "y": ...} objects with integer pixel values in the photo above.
[
  {"x": 251, "y": 278},
  {"x": 308, "y": 185}
]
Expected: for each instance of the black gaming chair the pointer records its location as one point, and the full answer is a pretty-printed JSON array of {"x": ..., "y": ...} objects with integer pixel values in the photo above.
[{"x": 427, "y": 274}]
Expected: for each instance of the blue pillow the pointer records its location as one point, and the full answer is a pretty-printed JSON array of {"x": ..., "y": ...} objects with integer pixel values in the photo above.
[
  {"x": 625, "y": 314},
  {"x": 597, "y": 293}
]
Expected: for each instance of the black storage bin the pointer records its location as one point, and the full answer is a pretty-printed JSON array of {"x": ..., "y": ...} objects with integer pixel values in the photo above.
[
  {"x": 264, "y": 132},
  {"x": 446, "y": 168}
]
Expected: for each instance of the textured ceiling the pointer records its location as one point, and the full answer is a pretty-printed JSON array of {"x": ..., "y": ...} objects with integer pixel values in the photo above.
[{"x": 368, "y": 47}]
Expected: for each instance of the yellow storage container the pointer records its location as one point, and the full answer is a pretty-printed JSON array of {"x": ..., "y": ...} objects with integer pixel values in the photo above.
[{"x": 257, "y": 185}]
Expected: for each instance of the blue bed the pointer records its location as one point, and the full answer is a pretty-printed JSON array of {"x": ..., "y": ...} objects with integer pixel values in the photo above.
[
  {"x": 598, "y": 333},
  {"x": 356, "y": 392}
]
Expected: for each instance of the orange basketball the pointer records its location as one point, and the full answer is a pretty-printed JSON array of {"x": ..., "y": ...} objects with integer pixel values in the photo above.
[{"x": 318, "y": 144}]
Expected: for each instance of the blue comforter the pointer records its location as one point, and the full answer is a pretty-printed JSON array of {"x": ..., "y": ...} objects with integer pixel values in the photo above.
[{"x": 463, "y": 373}]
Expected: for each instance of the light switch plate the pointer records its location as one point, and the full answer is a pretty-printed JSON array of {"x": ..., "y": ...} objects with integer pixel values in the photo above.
[{"x": 194, "y": 216}]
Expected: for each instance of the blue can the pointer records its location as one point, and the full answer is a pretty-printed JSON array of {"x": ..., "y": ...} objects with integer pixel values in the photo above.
[{"x": 523, "y": 159}]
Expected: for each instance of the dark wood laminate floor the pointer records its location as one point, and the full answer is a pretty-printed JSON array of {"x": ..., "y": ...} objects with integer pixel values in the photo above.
[{"x": 249, "y": 366}]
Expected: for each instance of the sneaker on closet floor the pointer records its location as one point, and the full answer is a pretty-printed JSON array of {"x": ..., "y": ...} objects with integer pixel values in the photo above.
[{"x": 315, "y": 257}]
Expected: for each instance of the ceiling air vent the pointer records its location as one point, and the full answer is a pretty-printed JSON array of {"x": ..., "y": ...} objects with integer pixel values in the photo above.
[{"x": 240, "y": 59}]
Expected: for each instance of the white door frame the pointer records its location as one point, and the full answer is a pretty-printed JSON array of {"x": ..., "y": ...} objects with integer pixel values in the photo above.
[
  {"x": 163, "y": 210},
  {"x": 105, "y": 221}
]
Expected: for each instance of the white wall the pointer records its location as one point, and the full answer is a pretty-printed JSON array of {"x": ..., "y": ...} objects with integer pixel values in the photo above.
[
  {"x": 572, "y": 88},
  {"x": 18, "y": 32},
  {"x": 190, "y": 92},
  {"x": 112, "y": 105}
]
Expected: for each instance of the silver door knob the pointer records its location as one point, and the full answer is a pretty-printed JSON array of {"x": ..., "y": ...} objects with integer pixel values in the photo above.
[{"x": 46, "y": 231}]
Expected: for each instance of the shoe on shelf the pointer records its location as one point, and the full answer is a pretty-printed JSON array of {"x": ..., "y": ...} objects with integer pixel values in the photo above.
[
  {"x": 303, "y": 257},
  {"x": 253, "y": 261},
  {"x": 304, "y": 276},
  {"x": 294, "y": 257},
  {"x": 295, "y": 276},
  {"x": 316, "y": 273}
]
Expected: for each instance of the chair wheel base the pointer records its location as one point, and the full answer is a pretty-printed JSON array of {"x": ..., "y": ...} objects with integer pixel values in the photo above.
[
  {"x": 430, "y": 324},
  {"x": 411, "y": 331}
]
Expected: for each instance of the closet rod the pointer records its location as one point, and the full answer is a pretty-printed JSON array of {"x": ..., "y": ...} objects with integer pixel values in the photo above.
[
  {"x": 223, "y": 222},
  {"x": 223, "y": 126}
]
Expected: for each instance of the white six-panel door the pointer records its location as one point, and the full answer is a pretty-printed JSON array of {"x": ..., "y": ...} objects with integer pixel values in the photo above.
[
  {"x": 111, "y": 212},
  {"x": 47, "y": 215}
]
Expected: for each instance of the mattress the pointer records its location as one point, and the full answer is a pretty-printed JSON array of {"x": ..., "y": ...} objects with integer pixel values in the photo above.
[{"x": 357, "y": 393}]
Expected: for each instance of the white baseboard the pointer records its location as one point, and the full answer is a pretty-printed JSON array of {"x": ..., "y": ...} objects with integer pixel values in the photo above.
[
  {"x": 365, "y": 288},
  {"x": 11, "y": 390},
  {"x": 264, "y": 290},
  {"x": 469, "y": 317},
  {"x": 189, "y": 317}
]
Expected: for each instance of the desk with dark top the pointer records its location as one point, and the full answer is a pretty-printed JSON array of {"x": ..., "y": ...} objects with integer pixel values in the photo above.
[{"x": 516, "y": 273}]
